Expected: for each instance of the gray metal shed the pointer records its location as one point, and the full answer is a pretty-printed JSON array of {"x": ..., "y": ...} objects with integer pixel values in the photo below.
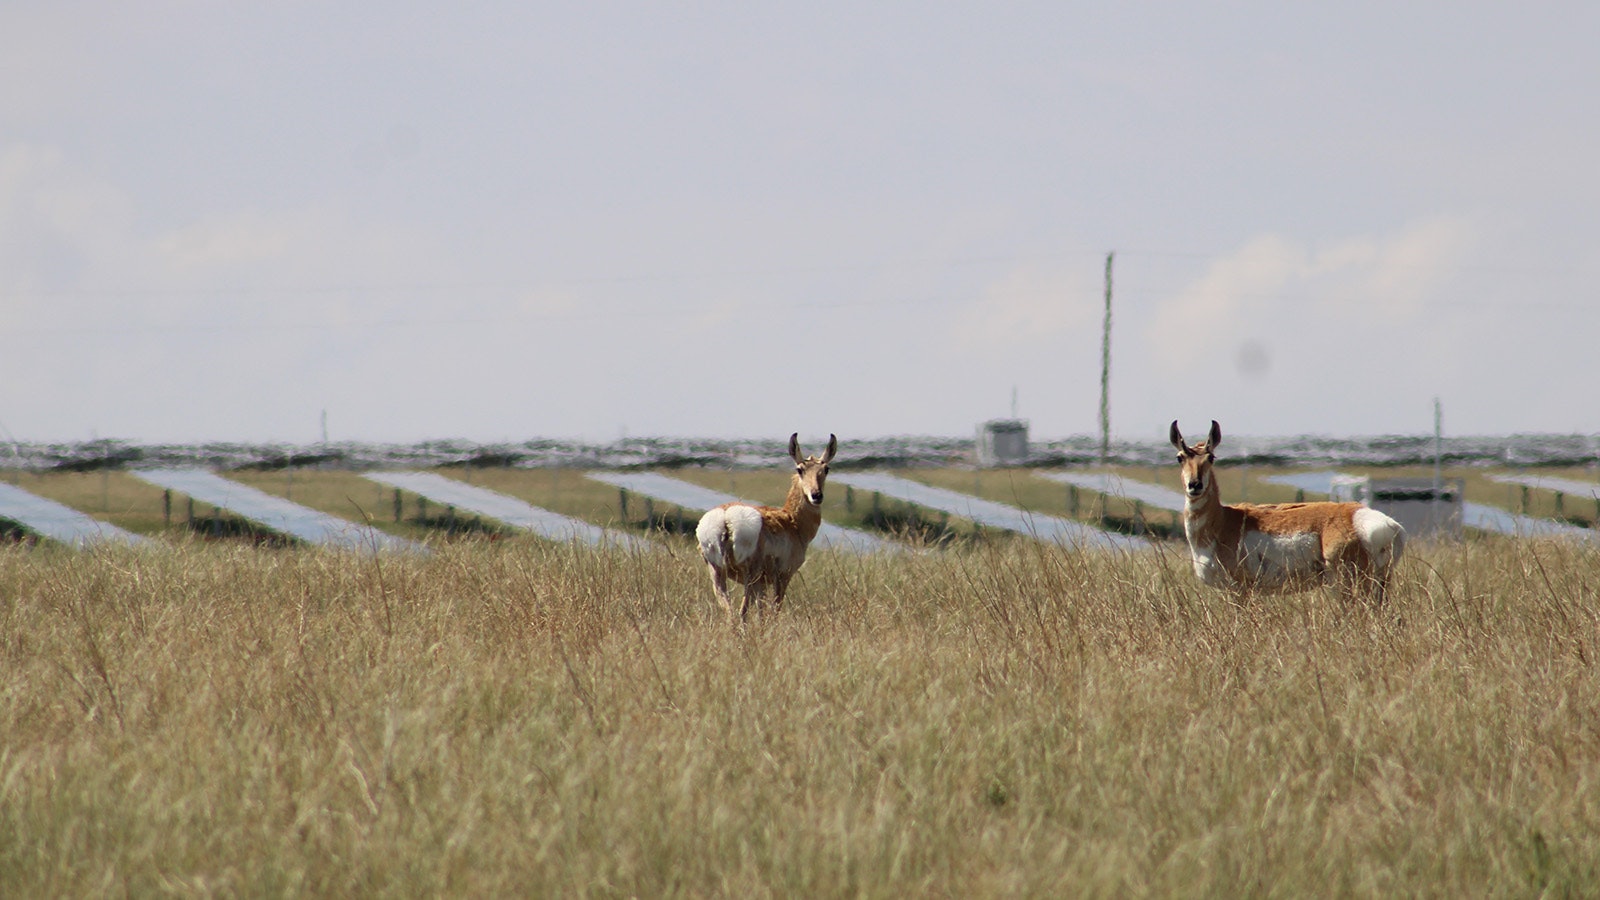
[
  {"x": 1422, "y": 507},
  {"x": 1003, "y": 442}
]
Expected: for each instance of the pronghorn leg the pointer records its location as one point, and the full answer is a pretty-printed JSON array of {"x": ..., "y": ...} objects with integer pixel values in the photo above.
[
  {"x": 719, "y": 583},
  {"x": 762, "y": 601},
  {"x": 779, "y": 588},
  {"x": 752, "y": 597},
  {"x": 1334, "y": 578},
  {"x": 1374, "y": 585},
  {"x": 1352, "y": 575}
]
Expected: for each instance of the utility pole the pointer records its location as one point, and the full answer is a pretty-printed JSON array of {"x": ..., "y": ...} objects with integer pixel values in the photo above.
[
  {"x": 1105, "y": 372},
  {"x": 1438, "y": 458}
]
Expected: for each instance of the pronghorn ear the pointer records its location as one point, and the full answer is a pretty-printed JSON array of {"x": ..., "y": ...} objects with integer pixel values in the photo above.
[
  {"x": 1215, "y": 437},
  {"x": 794, "y": 447},
  {"x": 1176, "y": 436},
  {"x": 833, "y": 447}
]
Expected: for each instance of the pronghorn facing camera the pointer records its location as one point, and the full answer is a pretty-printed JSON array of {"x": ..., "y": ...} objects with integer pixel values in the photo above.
[
  {"x": 762, "y": 546},
  {"x": 1282, "y": 547}
]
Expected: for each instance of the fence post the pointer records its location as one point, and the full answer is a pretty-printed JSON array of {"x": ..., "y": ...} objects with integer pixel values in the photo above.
[
  {"x": 166, "y": 507},
  {"x": 399, "y": 508},
  {"x": 622, "y": 501}
]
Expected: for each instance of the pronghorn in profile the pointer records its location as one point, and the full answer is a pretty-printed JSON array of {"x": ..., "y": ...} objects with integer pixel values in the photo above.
[
  {"x": 758, "y": 546},
  {"x": 1282, "y": 547}
]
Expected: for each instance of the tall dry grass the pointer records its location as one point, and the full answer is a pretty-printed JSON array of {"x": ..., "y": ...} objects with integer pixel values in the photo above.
[{"x": 518, "y": 718}]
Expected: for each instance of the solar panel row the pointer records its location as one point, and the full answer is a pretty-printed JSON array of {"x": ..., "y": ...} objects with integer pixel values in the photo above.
[
  {"x": 502, "y": 508},
  {"x": 275, "y": 513},
  {"x": 56, "y": 522},
  {"x": 989, "y": 513},
  {"x": 1117, "y": 486}
]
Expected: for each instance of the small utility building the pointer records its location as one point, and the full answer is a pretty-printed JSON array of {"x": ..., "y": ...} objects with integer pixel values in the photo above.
[
  {"x": 1003, "y": 442},
  {"x": 1418, "y": 504}
]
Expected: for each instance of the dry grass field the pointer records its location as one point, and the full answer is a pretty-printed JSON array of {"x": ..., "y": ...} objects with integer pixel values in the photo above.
[{"x": 509, "y": 717}]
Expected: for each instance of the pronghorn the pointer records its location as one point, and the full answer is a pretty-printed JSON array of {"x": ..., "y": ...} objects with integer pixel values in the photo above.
[
  {"x": 1282, "y": 547},
  {"x": 758, "y": 546}
]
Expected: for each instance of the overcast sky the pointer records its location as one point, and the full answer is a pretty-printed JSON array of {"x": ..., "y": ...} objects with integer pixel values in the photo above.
[{"x": 501, "y": 221}]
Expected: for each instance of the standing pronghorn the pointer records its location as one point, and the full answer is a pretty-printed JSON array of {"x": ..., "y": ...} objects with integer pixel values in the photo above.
[
  {"x": 1282, "y": 547},
  {"x": 758, "y": 546}
]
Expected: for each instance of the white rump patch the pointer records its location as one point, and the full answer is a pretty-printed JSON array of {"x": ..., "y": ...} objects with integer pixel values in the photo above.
[
  {"x": 708, "y": 534},
  {"x": 740, "y": 523},
  {"x": 1382, "y": 536}
]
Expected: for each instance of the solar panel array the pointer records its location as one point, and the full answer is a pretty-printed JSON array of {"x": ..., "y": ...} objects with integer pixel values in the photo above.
[
  {"x": 1561, "y": 485},
  {"x": 275, "y": 513},
  {"x": 51, "y": 520},
  {"x": 988, "y": 513},
  {"x": 1310, "y": 482},
  {"x": 503, "y": 508},
  {"x": 1118, "y": 486},
  {"x": 56, "y": 522}
]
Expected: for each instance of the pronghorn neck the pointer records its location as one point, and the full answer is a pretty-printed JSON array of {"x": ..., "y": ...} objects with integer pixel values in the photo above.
[
  {"x": 806, "y": 515},
  {"x": 1202, "y": 515}
]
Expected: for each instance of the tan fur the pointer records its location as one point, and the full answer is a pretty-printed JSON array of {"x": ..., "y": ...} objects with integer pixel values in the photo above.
[
  {"x": 1317, "y": 543},
  {"x": 786, "y": 533}
]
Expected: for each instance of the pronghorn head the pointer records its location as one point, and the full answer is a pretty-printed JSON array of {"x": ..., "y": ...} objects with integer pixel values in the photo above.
[
  {"x": 811, "y": 472},
  {"x": 1195, "y": 462}
]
